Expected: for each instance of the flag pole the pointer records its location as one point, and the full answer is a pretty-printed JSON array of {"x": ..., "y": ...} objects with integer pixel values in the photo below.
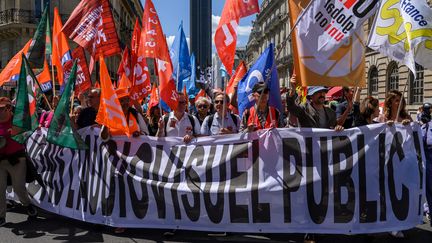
[
  {"x": 53, "y": 79},
  {"x": 178, "y": 71},
  {"x": 283, "y": 44},
  {"x": 224, "y": 103}
]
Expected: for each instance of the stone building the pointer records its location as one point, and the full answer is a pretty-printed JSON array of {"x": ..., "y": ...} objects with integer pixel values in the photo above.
[
  {"x": 271, "y": 26},
  {"x": 19, "y": 18}
]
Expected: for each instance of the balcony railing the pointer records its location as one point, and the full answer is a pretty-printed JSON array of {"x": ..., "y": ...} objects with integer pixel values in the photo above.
[{"x": 11, "y": 16}]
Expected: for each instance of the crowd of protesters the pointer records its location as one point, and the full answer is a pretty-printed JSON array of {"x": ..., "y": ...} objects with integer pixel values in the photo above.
[{"x": 215, "y": 114}]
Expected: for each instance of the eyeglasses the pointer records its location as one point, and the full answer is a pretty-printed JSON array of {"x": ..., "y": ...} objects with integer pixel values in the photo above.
[
  {"x": 182, "y": 102},
  {"x": 202, "y": 106},
  {"x": 218, "y": 101}
]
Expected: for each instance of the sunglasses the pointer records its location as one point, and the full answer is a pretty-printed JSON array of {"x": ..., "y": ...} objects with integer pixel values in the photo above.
[
  {"x": 202, "y": 106},
  {"x": 182, "y": 102},
  {"x": 218, "y": 101}
]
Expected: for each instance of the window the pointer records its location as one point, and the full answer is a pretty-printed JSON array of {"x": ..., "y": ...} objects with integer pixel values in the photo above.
[
  {"x": 373, "y": 81},
  {"x": 416, "y": 86},
  {"x": 392, "y": 76}
]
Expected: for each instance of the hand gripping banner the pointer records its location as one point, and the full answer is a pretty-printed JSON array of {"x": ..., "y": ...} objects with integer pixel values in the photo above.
[{"x": 362, "y": 180}]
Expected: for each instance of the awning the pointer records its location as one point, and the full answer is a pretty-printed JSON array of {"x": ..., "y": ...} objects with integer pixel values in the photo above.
[{"x": 334, "y": 93}]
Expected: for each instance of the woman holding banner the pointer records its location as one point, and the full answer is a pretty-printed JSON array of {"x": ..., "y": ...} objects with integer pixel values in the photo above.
[{"x": 391, "y": 107}]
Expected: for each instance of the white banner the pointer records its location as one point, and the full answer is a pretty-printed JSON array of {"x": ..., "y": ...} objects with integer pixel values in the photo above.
[
  {"x": 362, "y": 180},
  {"x": 403, "y": 31},
  {"x": 329, "y": 24}
]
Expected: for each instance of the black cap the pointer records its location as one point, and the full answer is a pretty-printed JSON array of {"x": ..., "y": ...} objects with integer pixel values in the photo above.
[
  {"x": 427, "y": 106},
  {"x": 259, "y": 87}
]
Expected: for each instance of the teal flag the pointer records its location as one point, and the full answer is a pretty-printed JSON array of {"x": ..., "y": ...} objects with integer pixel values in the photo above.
[
  {"x": 25, "y": 119},
  {"x": 61, "y": 131},
  {"x": 36, "y": 52}
]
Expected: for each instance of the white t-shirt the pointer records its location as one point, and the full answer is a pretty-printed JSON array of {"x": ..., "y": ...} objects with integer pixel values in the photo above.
[{"x": 179, "y": 128}]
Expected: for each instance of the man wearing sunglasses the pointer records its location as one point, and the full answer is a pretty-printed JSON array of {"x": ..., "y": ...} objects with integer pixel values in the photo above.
[
  {"x": 179, "y": 123},
  {"x": 222, "y": 122},
  {"x": 261, "y": 115}
]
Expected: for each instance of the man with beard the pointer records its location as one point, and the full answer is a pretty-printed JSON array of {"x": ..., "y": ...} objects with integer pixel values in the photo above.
[{"x": 313, "y": 113}]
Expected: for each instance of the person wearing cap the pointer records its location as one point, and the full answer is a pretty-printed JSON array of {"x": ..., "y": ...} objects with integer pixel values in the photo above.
[
  {"x": 179, "y": 123},
  {"x": 192, "y": 108},
  {"x": 12, "y": 162},
  {"x": 261, "y": 115},
  {"x": 136, "y": 121},
  {"x": 314, "y": 113}
]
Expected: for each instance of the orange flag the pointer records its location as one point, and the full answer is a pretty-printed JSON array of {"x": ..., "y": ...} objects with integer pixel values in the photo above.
[
  {"x": 239, "y": 74},
  {"x": 153, "y": 45},
  {"x": 61, "y": 52},
  {"x": 124, "y": 82},
  {"x": 13, "y": 68},
  {"x": 44, "y": 78},
  {"x": 110, "y": 113}
]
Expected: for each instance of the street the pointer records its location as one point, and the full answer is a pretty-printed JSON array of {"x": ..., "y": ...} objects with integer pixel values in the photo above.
[{"x": 48, "y": 227}]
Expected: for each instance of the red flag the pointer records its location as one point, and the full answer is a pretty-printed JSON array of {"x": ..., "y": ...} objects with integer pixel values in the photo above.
[
  {"x": 124, "y": 67},
  {"x": 201, "y": 93},
  {"x": 226, "y": 33},
  {"x": 135, "y": 43},
  {"x": 239, "y": 74},
  {"x": 110, "y": 113},
  {"x": 61, "y": 52},
  {"x": 154, "y": 97},
  {"x": 13, "y": 68},
  {"x": 92, "y": 26},
  {"x": 44, "y": 78},
  {"x": 83, "y": 80},
  {"x": 141, "y": 80},
  {"x": 153, "y": 44}
]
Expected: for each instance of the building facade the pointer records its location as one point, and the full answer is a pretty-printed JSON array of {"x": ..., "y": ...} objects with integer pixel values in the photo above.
[
  {"x": 19, "y": 19},
  {"x": 272, "y": 26},
  {"x": 200, "y": 31}
]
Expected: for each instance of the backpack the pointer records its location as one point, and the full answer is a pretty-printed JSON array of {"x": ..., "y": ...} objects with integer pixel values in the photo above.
[
  {"x": 211, "y": 117},
  {"x": 191, "y": 120}
]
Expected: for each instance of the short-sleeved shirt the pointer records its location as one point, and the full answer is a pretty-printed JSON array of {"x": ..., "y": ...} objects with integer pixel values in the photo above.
[
  {"x": 214, "y": 128},
  {"x": 179, "y": 128}
]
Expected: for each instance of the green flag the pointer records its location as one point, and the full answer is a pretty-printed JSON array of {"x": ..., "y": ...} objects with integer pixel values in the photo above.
[
  {"x": 48, "y": 44},
  {"x": 36, "y": 52},
  {"x": 25, "y": 119},
  {"x": 60, "y": 131}
]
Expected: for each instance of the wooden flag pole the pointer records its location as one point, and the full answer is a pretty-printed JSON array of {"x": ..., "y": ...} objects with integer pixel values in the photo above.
[{"x": 53, "y": 78}]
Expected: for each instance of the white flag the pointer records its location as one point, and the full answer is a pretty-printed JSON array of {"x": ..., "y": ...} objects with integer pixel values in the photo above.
[
  {"x": 403, "y": 31},
  {"x": 328, "y": 24}
]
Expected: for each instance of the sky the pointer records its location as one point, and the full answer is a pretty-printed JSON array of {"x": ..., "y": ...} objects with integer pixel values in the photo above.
[{"x": 172, "y": 12}]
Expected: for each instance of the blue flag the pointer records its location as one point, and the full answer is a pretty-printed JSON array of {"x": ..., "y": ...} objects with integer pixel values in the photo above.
[
  {"x": 260, "y": 72},
  {"x": 180, "y": 59},
  {"x": 190, "y": 81}
]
